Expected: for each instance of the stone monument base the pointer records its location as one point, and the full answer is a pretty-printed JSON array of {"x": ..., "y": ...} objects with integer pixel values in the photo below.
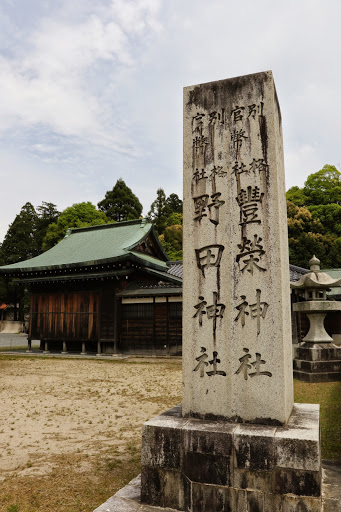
[
  {"x": 318, "y": 362},
  {"x": 128, "y": 499},
  {"x": 205, "y": 466}
]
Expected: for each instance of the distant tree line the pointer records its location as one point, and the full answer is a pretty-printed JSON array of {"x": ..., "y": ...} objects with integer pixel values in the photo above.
[
  {"x": 34, "y": 231},
  {"x": 314, "y": 219},
  {"x": 314, "y": 223}
]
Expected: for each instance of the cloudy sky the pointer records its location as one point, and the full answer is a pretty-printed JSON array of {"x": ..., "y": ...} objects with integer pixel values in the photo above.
[{"x": 91, "y": 91}]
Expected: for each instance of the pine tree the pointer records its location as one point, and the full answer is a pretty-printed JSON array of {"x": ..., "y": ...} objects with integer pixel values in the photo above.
[
  {"x": 47, "y": 214},
  {"x": 159, "y": 211},
  {"x": 19, "y": 243},
  {"x": 174, "y": 203},
  {"x": 120, "y": 203}
]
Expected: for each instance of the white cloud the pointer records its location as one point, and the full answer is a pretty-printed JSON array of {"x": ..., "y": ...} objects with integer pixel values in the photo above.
[
  {"x": 47, "y": 81},
  {"x": 92, "y": 91}
]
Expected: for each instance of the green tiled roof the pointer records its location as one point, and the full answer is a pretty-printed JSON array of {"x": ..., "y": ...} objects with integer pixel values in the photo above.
[
  {"x": 334, "y": 273},
  {"x": 93, "y": 245}
]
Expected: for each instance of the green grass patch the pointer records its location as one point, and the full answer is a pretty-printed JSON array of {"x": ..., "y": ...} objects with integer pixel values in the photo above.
[{"x": 328, "y": 395}]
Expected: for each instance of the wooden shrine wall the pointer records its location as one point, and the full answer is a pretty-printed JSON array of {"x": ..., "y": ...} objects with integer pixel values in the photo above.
[
  {"x": 65, "y": 316},
  {"x": 151, "y": 327}
]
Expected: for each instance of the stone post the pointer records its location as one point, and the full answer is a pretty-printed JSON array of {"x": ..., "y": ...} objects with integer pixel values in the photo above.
[
  {"x": 238, "y": 443},
  {"x": 237, "y": 361}
]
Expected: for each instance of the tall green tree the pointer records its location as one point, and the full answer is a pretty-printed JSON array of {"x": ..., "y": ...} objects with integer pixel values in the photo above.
[
  {"x": 79, "y": 215},
  {"x": 314, "y": 218},
  {"x": 174, "y": 203},
  {"x": 308, "y": 236},
  {"x": 19, "y": 243},
  {"x": 159, "y": 211},
  {"x": 120, "y": 203},
  {"x": 47, "y": 214},
  {"x": 323, "y": 187}
]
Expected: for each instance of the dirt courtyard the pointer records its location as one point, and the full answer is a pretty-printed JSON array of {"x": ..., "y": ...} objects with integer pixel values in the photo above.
[{"x": 70, "y": 429}]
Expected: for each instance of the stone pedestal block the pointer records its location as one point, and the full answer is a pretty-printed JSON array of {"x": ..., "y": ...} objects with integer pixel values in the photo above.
[
  {"x": 205, "y": 465},
  {"x": 316, "y": 362}
]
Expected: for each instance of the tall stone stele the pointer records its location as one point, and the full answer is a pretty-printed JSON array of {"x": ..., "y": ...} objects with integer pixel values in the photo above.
[
  {"x": 238, "y": 443},
  {"x": 237, "y": 359}
]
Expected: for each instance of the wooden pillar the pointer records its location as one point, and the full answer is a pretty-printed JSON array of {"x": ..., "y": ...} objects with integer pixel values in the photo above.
[
  {"x": 29, "y": 345},
  {"x": 99, "y": 353},
  {"x": 167, "y": 326},
  {"x": 115, "y": 325},
  {"x": 154, "y": 323}
]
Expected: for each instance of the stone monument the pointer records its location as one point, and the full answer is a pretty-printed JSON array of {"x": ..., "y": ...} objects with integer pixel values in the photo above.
[
  {"x": 317, "y": 359},
  {"x": 236, "y": 306},
  {"x": 238, "y": 443}
]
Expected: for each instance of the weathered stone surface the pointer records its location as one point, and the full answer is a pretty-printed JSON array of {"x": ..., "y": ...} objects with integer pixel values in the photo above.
[
  {"x": 319, "y": 352},
  {"x": 257, "y": 480},
  {"x": 297, "y": 482},
  {"x": 161, "y": 442},
  {"x": 254, "y": 447},
  {"x": 208, "y": 437},
  {"x": 163, "y": 488},
  {"x": 175, "y": 411},
  {"x": 318, "y": 363},
  {"x": 300, "y": 504},
  {"x": 331, "y": 489},
  {"x": 255, "y": 501},
  {"x": 237, "y": 498},
  {"x": 298, "y": 444},
  {"x": 207, "y": 468},
  {"x": 266, "y": 461},
  {"x": 237, "y": 360},
  {"x": 131, "y": 492},
  {"x": 116, "y": 504},
  {"x": 273, "y": 502},
  {"x": 208, "y": 498},
  {"x": 330, "y": 505},
  {"x": 151, "y": 485}
]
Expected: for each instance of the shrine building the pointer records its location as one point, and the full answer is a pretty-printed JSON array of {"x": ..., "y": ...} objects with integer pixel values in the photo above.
[
  {"x": 104, "y": 289},
  {"x": 112, "y": 289}
]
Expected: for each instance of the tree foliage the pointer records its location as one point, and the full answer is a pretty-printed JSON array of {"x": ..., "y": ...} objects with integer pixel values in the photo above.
[
  {"x": 314, "y": 219},
  {"x": 159, "y": 211},
  {"x": 120, "y": 203},
  {"x": 174, "y": 203},
  {"x": 79, "y": 215},
  {"x": 47, "y": 214},
  {"x": 166, "y": 215},
  {"x": 323, "y": 187},
  {"x": 19, "y": 243}
]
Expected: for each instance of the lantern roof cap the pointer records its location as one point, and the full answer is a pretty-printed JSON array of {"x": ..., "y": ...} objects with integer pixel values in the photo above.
[{"x": 316, "y": 278}]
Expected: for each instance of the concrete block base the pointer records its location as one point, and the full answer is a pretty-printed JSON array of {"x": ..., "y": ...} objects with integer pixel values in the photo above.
[
  {"x": 318, "y": 362},
  {"x": 200, "y": 466},
  {"x": 128, "y": 499}
]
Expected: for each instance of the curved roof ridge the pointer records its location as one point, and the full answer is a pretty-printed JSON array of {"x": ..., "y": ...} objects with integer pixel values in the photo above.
[
  {"x": 113, "y": 224},
  {"x": 101, "y": 243}
]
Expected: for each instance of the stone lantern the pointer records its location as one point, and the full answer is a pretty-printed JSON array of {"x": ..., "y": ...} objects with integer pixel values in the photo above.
[{"x": 317, "y": 359}]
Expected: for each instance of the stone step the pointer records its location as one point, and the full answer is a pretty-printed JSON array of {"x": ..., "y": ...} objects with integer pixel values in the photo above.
[
  {"x": 320, "y": 352},
  {"x": 317, "y": 366},
  {"x": 317, "y": 377}
]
